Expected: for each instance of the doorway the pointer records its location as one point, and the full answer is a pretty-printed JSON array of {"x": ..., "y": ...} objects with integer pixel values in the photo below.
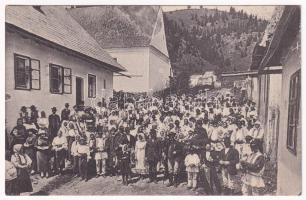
[{"x": 79, "y": 94}]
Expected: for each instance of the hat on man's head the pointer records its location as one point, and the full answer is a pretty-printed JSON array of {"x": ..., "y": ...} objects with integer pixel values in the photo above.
[
  {"x": 257, "y": 122},
  {"x": 53, "y": 109},
  {"x": 66, "y": 104}
]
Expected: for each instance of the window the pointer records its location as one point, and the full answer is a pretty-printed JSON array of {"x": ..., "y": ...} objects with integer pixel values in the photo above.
[
  {"x": 104, "y": 84},
  {"x": 293, "y": 110},
  {"x": 60, "y": 79},
  {"x": 91, "y": 86},
  {"x": 27, "y": 73}
]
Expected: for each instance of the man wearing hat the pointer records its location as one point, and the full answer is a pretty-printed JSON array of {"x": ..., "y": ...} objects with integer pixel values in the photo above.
[
  {"x": 254, "y": 169},
  {"x": 65, "y": 114},
  {"x": 152, "y": 155},
  {"x": 175, "y": 157},
  {"x": 228, "y": 159},
  {"x": 54, "y": 123}
]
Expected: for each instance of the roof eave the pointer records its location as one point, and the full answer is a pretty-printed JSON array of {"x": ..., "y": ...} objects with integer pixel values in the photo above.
[
  {"x": 60, "y": 47},
  {"x": 274, "y": 44}
]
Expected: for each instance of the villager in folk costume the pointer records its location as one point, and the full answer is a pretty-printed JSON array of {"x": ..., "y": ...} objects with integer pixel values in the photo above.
[
  {"x": 11, "y": 187},
  {"x": 228, "y": 159},
  {"x": 140, "y": 152},
  {"x": 30, "y": 150},
  {"x": 43, "y": 146},
  {"x": 152, "y": 155},
  {"x": 23, "y": 163},
  {"x": 101, "y": 154},
  {"x": 254, "y": 169},
  {"x": 54, "y": 123},
  {"x": 83, "y": 151},
  {"x": 59, "y": 145},
  {"x": 65, "y": 114},
  {"x": 192, "y": 163}
]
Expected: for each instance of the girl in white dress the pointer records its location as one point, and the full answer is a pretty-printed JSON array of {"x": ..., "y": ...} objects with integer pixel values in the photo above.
[{"x": 140, "y": 148}]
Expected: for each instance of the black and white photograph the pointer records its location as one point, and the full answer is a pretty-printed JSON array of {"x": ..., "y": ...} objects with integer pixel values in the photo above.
[{"x": 181, "y": 100}]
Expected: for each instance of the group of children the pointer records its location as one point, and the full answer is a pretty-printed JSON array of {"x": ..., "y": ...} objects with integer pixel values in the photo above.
[{"x": 182, "y": 136}]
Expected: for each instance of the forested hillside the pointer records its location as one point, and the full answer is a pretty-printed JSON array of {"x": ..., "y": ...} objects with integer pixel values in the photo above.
[{"x": 210, "y": 39}]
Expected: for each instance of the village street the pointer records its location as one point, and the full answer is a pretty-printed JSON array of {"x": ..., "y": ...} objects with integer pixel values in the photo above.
[{"x": 152, "y": 100}]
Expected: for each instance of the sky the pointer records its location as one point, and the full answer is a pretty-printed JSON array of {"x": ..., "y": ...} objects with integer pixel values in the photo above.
[{"x": 264, "y": 12}]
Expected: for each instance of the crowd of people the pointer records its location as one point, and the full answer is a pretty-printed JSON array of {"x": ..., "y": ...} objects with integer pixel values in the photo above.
[{"x": 210, "y": 142}]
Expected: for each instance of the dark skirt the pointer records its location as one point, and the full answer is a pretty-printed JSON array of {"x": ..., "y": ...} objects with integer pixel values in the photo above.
[
  {"x": 31, "y": 152},
  {"x": 23, "y": 181},
  {"x": 124, "y": 166},
  {"x": 60, "y": 159},
  {"x": 11, "y": 187},
  {"x": 43, "y": 164}
]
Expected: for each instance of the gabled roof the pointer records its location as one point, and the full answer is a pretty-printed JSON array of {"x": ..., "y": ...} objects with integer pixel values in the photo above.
[
  {"x": 54, "y": 24},
  {"x": 118, "y": 26}
]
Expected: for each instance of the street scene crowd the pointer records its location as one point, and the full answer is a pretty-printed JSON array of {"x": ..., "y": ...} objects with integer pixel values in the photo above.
[{"x": 214, "y": 142}]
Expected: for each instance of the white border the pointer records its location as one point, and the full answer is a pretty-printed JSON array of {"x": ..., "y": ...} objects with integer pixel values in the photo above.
[{"x": 135, "y": 2}]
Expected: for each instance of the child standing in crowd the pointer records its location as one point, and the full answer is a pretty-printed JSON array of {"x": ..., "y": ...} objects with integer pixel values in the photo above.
[
  {"x": 101, "y": 154},
  {"x": 192, "y": 162},
  {"x": 75, "y": 155},
  {"x": 124, "y": 160}
]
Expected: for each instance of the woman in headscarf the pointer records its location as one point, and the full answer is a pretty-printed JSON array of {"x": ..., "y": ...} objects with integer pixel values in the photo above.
[
  {"x": 10, "y": 176},
  {"x": 43, "y": 153},
  {"x": 18, "y": 134},
  {"x": 22, "y": 162}
]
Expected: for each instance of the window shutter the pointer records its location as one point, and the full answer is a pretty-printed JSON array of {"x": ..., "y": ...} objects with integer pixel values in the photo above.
[
  {"x": 35, "y": 74},
  {"x": 67, "y": 80}
]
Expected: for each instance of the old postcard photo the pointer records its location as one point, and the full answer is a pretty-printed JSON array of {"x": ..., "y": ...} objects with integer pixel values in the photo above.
[{"x": 153, "y": 100}]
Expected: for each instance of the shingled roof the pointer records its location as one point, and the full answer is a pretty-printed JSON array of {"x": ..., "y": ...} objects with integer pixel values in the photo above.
[
  {"x": 118, "y": 26},
  {"x": 54, "y": 24}
]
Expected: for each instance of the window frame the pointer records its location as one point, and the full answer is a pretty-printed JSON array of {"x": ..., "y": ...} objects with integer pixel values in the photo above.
[
  {"x": 39, "y": 81},
  {"x": 65, "y": 76},
  {"x": 293, "y": 111},
  {"x": 30, "y": 70},
  {"x": 62, "y": 79},
  {"x": 94, "y": 93}
]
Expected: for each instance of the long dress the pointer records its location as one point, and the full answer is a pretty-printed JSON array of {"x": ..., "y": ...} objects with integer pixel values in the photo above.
[
  {"x": 43, "y": 154},
  {"x": 23, "y": 178},
  {"x": 140, "y": 148}
]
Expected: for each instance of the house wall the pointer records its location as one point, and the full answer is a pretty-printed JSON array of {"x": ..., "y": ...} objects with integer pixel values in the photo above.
[
  {"x": 269, "y": 99},
  {"x": 159, "y": 70},
  {"x": 263, "y": 90},
  {"x": 42, "y": 98},
  {"x": 289, "y": 175},
  {"x": 273, "y": 115},
  {"x": 136, "y": 62}
]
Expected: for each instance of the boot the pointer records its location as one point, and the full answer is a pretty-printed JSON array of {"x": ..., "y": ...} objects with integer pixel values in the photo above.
[
  {"x": 170, "y": 180},
  {"x": 175, "y": 180}
]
